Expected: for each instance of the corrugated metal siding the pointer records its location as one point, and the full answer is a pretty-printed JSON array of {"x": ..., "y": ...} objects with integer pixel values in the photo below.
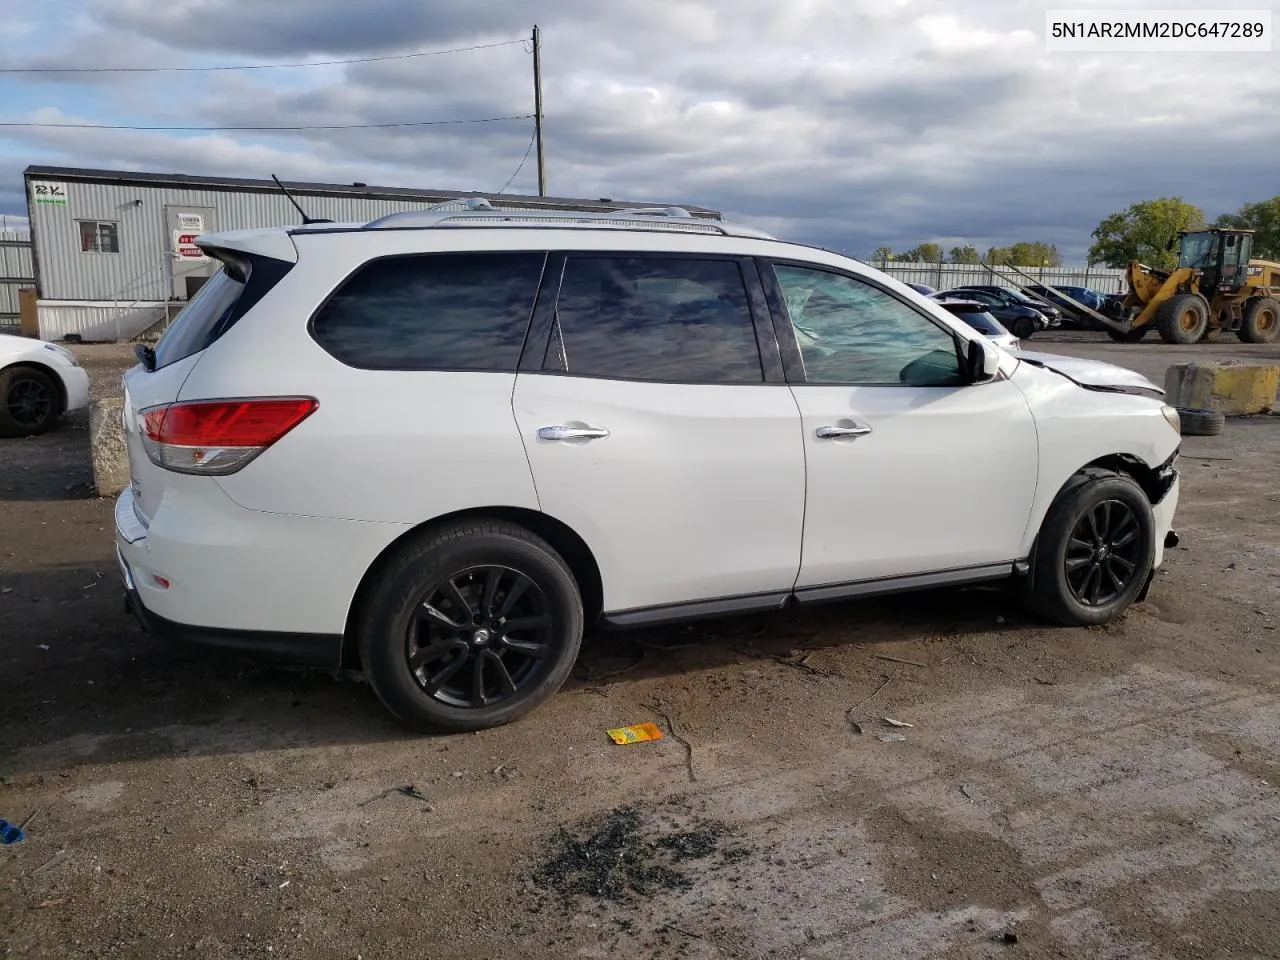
[
  {"x": 15, "y": 272},
  {"x": 94, "y": 322},
  {"x": 141, "y": 268},
  {"x": 944, "y": 276}
]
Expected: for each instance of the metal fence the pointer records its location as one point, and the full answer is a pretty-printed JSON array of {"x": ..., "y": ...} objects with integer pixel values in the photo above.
[
  {"x": 944, "y": 276},
  {"x": 16, "y": 270}
]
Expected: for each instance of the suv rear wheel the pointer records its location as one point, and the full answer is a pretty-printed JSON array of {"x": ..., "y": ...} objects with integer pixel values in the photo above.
[
  {"x": 471, "y": 627},
  {"x": 1095, "y": 550}
]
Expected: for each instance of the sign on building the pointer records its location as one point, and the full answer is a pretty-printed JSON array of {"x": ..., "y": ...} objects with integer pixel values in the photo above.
[
  {"x": 184, "y": 245},
  {"x": 46, "y": 191}
]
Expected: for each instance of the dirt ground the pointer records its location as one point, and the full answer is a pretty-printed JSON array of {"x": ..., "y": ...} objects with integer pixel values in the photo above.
[{"x": 1103, "y": 793}]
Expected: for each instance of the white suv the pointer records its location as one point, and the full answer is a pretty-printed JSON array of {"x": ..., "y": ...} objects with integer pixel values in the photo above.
[{"x": 438, "y": 446}]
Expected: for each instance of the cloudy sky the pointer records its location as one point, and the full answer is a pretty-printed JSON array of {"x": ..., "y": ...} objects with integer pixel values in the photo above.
[{"x": 847, "y": 123}]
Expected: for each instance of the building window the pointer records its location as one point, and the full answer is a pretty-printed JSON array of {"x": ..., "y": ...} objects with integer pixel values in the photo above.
[{"x": 99, "y": 237}]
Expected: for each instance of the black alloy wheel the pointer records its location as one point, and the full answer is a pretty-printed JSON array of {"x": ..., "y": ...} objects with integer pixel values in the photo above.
[
  {"x": 28, "y": 402},
  {"x": 1103, "y": 553},
  {"x": 479, "y": 636}
]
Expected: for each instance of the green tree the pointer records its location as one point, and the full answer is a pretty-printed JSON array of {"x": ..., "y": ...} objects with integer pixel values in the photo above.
[
  {"x": 881, "y": 254},
  {"x": 1147, "y": 231},
  {"x": 965, "y": 254},
  {"x": 1263, "y": 217},
  {"x": 1033, "y": 254},
  {"x": 923, "y": 253},
  {"x": 997, "y": 255}
]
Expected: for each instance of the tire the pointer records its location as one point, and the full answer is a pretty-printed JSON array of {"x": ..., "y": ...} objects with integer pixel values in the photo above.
[
  {"x": 1023, "y": 328},
  {"x": 30, "y": 402},
  {"x": 1129, "y": 336},
  {"x": 1261, "y": 320},
  {"x": 1074, "y": 578},
  {"x": 1201, "y": 423},
  {"x": 394, "y": 624},
  {"x": 1183, "y": 318}
]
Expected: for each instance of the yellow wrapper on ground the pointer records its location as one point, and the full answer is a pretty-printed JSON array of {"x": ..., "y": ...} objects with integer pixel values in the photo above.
[{"x": 637, "y": 733}]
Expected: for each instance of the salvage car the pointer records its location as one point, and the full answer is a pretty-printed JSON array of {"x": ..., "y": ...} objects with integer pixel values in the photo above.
[
  {"x": 1024, "y": 321},
  {"x": 39, "y": 382},
  {"x": 976, "y": 315},
  {"x": 438, "y": 447}
]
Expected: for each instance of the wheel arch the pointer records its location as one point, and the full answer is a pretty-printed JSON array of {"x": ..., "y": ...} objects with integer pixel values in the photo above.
[
  {"x": 563, "y": 539},
  {"x": 45, "y": 369},
  {"x": 1150, "y": 479}
]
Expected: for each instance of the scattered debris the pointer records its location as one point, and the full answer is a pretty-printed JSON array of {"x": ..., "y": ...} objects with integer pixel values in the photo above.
[
  {"x": 1008, "y": 938},
  {"x": 857, "y": 727},
  {"x": 48, "y": 864},
  {"x": 409, "y": 791},
  {"x": 43, "y": 646},
  {"x": 892, "y": 738},
  {"x": 621, "y": 854},
  {"x": 913, "y": 663},
  {"x": 687, "y": 933},
  {"x": 283, "y": 885},
  {"x": 636, "y": 733},
  {"x": 1046, "y": 683},
  {"x": 1224, "y": 459},
  {"x": 965, "y": 789},
  {"x": 11, "y": 833},
  {"x": 675, "y": 735},
  {"x": 896, "y": 723}
]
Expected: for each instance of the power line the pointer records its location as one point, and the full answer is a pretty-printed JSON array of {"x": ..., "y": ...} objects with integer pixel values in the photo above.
[
  {"x": 321, "y": 126},
  {"x": 527, "y": 151},
  {"x": 261, "y": 66}
]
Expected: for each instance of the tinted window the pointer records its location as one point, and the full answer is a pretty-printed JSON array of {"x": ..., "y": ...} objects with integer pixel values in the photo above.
[
  {"x": 652, "y": 319},
  {"x": 204, "y": 313},
  {"x": 447, "y": 311},
  {"x": 852, "y": 332},
  {"x": 983, "y": 322}
]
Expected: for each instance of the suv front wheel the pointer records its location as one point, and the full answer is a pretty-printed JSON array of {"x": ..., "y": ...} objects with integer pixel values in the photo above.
[
  {"x": 1095, "y": 550},
  {"x": 471, "y": 627}
]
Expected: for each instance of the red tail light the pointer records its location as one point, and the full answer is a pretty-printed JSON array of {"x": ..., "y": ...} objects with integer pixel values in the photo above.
[{"x": 218, "y": 437}]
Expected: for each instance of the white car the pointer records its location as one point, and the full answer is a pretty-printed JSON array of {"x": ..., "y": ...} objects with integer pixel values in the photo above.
[
  {"x": 975, "y": 315},
  {"x": 39, "y": 382},
  {"x": 439, "y": 446}
]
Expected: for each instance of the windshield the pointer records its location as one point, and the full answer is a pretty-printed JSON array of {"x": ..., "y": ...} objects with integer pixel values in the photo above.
[
  {"x": 1199, "y": 250},
  {"x": 983, "y": 322}
]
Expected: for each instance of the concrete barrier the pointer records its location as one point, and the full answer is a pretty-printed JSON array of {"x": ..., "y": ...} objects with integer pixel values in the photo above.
[
  {"x": 1232, "y": 388},
  {"x": 107, "y": 448}
]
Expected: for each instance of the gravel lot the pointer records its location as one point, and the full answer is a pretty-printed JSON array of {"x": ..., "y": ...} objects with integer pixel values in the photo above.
[{"x": 1105, "y": 792}]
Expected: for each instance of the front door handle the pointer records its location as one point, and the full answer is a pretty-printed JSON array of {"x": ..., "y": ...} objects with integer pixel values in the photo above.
[
  {"x": 832, "y": 433},
  {"x": 562, "y": 432}
]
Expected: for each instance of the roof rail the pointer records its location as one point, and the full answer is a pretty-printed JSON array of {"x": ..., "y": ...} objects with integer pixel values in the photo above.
[{"x": 477, "y": 212}]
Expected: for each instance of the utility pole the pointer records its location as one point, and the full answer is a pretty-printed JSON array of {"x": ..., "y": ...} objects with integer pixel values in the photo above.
[{"x": 537, "y": 109}]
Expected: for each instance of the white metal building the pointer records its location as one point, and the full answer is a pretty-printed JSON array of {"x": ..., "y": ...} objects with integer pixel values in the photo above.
[{"x": 114, "y": 252}]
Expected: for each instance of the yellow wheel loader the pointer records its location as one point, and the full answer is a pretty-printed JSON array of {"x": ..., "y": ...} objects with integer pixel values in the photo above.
[{"x": 1216, "y": 286}]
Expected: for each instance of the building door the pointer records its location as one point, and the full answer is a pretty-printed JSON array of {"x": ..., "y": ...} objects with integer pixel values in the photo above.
[{"x": 183, "y": 224}]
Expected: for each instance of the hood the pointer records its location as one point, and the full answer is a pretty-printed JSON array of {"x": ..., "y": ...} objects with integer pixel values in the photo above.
[{"x": 1094, "y": 374}]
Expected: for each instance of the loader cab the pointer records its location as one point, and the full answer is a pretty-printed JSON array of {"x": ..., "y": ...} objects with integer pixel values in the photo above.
[{"x": 1221, "y": 257}]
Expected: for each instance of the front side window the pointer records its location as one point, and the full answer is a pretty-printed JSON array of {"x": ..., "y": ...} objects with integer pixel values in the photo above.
[
  {"x": 439, "y": 311},
  {"x": 642, "y": 318},
  {"x": 852, "y": 332},
  {"x": 97, "y": 236}
]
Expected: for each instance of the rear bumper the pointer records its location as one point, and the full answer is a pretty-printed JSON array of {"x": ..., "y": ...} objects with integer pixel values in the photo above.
[{"x": 207, "y": 571}]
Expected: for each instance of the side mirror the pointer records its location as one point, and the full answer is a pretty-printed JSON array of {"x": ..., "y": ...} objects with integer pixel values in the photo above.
[{"x": 982, "y": 361}]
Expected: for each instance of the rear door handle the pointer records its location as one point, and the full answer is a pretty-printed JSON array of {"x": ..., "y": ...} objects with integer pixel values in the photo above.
[
  {"x": 832, "y": 433},
  {"x": 562, "y": 432}
]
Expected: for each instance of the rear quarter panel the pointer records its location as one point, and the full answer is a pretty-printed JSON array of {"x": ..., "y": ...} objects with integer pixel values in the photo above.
[{"x": 389, "y": 446}]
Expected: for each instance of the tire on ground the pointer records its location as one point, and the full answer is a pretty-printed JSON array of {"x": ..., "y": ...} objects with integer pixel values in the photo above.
[
  {"x": 382, "y": 625},
  {"x": 1183, "y": 318},
  {"x": 1201, "y": 423},
  {"x": 15, "y": 382},
  {"x": 1261, "y": 320},
  {"x": 1060, "y": 542}
]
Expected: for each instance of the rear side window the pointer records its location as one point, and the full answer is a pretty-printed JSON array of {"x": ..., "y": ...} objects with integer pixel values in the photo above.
[
  {"x": 641, "y": 318},
  {"x": 226, "y": 297},
  {"x": 193, "y": 329},
  {"x": 447, "y": 311}
]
